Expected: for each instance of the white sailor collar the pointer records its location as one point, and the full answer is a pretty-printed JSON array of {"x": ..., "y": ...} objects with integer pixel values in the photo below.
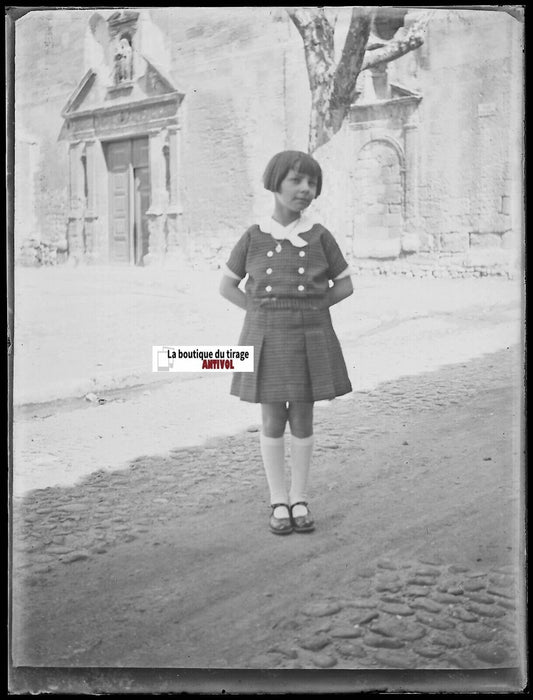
[{"x": 290, "y": 232}]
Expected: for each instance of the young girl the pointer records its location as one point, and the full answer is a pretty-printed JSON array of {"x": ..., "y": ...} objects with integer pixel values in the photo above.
[{"x": 290, "y": 261}]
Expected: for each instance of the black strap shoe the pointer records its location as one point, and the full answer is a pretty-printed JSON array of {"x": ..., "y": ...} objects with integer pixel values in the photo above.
[
  {"x": 302, "y": 523},
  {"x": 280, "y": 526}
]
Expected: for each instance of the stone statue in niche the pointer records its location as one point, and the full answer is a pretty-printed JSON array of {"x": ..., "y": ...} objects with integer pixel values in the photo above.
[{"x": 123, "y": 61}]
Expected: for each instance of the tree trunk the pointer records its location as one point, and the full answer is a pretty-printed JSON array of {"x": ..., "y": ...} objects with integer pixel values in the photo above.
[
  {"x": 333, "y": 86},
  {"x": 317, "y": 35},
  {"x": 343, "y": 93}
]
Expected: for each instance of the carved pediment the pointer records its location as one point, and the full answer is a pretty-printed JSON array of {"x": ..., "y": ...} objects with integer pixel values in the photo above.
[
  {"x": 80, "y": 94},
  {"x": 398, "y": 90},
  {"x": 155, "y": 82},
  {"x": 401, "y": 104},
  {"x": 97, "y": 108},
  {"x": 126, "y": 88},
  {"x": 94, "y": 93}
]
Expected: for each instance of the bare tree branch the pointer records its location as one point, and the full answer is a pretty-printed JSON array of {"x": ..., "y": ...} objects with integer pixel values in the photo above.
[
  {"x": 302, "y": 18},
  {"x": 404, "y": 41}
]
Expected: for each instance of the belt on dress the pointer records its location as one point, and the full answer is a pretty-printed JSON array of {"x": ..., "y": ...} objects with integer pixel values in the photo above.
[{"x": 275, "y": 303}]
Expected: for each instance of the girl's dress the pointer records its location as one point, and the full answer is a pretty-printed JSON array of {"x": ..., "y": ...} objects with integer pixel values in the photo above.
[{"x": 297, "y": 356}]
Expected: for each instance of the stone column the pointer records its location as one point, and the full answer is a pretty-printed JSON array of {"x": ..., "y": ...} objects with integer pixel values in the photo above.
[
  {"x": 92, "y": 241},
  {"x": 380, "y": 81},
  {"x": 77, "y": 203},
  {"x": 411, "y": 234},
  {"x": 158, "y": 200},
  {"x": 174, "y": 252}
]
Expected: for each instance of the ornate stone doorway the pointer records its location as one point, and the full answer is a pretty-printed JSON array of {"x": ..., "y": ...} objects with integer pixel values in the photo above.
[
  {"x": 383, "y": 174},
  {"x": 123, "y": 127}
]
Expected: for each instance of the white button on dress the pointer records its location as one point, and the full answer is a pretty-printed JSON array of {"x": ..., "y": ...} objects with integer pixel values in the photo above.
[
  {"x": 268, "y": 288},
  {"x": 301, "y": 288},
  {"x": 302, "y": 253},
  {"x": 269, "y": 271},
  {"x": 270, "y": 254},
  {"x": 301, "y": 270},
  {"x": 278, "y": 248}
]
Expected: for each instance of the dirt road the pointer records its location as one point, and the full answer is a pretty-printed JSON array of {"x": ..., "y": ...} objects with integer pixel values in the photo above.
[
  {"x": 389, "y": 328},
  {"x": 415, "y": 562}
]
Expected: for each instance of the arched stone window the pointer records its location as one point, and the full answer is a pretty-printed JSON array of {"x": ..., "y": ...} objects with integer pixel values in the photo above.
[{"x": 379, "y": 198}]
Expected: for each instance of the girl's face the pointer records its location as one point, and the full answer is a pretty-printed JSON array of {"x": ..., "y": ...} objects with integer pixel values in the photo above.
[{"x": 296, "y": 191}]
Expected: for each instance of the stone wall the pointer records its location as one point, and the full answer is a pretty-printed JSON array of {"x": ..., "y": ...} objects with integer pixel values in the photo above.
[
  {"x": 469, "y": 126},
  {"x": 245, "y": 82},
  {"x": 429, "y": 265},
  {"x": 246, "y": 99},
  {"x": 462, "y": 197},
  {"x": 48, "y": 66},
  {"x": 243, "y": 73},
  {"x": 27, "y": 159}
]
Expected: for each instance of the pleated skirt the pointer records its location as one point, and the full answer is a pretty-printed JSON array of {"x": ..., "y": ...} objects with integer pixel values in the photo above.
[{"x": 297, "y": 355}]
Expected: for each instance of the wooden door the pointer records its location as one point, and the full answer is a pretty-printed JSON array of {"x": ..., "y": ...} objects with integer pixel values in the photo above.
[
  {"x": 119, "y": 166},
  {"x": 129, "y": 200},
  {"x": 141, "y": 177}
]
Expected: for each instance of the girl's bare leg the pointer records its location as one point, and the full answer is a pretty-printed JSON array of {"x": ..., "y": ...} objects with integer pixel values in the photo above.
[
  {"x": 275, "y": 416},
  {"x": 272, "y": 443},
  {"x": 301, "y": 418}
]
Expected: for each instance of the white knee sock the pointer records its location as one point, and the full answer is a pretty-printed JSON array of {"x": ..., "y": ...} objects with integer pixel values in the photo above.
[
  {"x": 273, "y": 454},
  {"x": 301, "y": 451}
]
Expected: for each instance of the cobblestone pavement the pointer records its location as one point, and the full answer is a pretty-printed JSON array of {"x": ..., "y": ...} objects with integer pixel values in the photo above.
[
  {"x": 406, "y": 615},
  {"x": 405, "y": 604}
]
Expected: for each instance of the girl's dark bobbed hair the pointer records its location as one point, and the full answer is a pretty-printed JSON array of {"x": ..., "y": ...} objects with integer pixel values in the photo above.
[{"x": 278, "y": 167}]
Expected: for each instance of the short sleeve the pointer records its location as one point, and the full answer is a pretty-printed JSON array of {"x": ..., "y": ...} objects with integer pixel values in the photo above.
[
  {"x": 336, "y": 261},
  {"x": 237, "y": 260}
]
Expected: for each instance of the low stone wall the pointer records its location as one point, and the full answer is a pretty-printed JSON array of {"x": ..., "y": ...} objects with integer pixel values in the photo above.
[
  {"x": 212, "y": 253},
  {"x": 431, "y": 268},
  {"x": 36, "y": 253}
]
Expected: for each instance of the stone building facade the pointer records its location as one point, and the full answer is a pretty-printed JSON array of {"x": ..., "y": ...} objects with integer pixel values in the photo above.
[
  {"x": 430, "y": 158},
  {"x": 148, "y": 131}
]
